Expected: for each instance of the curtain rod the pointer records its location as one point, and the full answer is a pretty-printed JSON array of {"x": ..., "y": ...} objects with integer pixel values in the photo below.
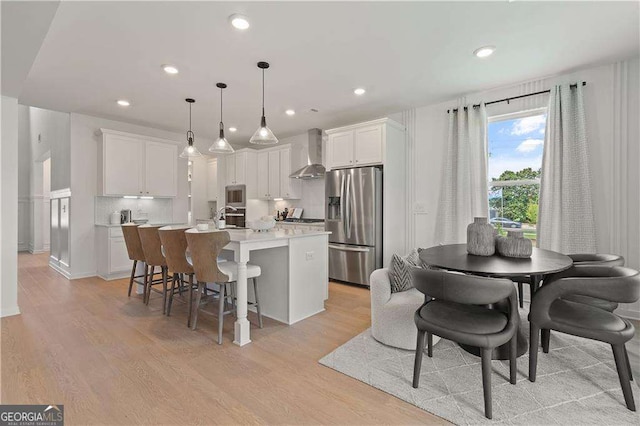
[{"x": 584, "y": 83}]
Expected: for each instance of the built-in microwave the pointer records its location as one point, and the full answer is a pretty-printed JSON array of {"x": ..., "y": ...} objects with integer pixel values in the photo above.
[{"x": 235, "y": 196}]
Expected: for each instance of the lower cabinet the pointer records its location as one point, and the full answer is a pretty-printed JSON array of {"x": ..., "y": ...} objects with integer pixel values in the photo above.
[{"x": 113, "y": 258}]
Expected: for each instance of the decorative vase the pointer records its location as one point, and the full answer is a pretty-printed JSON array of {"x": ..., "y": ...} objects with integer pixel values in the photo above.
[
  {"x": 514, "y": 245},
  {"x": 481, "y": 237}
]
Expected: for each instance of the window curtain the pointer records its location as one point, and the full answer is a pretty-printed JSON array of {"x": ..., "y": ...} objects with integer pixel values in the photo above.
[
  {"x": 464, "y": 184},
  {"x": 565, "y": 218}
]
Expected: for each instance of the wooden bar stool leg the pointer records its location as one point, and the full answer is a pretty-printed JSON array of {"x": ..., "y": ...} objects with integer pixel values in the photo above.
[
  {"x": 165, "y": 272},
  {"x": 221, "y": 312},
  {"x": 190, "y": 299},
  {"x": 146, "y": 279},
  {"x": 199, "y": 292},
  {"x": 133, "y": 275},
  {"x": 255, "y": 292},
  {"x": 174, "y": 280},
  {"x": 150, "y": 283}
]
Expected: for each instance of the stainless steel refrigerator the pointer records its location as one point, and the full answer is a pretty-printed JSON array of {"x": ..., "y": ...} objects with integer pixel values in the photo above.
[{"x": 353, "y": 199}]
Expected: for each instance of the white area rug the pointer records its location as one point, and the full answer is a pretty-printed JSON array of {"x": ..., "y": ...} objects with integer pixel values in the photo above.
[{"x": 576, "y": 383}]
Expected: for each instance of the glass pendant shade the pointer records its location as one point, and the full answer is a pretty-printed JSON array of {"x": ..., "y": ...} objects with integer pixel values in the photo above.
[
  {"x": 264, "y": 135},
  {"x": 221, "y": 145},
  {"x": 190, "y": 151}
]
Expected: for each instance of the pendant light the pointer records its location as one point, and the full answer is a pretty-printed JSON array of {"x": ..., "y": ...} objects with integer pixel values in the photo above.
[
  {"x": 264, "y": 135},
  {"x": 221, "y": 145},
  {"x": 190, "y": 151}
]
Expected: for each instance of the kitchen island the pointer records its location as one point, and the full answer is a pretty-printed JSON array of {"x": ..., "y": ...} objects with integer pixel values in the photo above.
[{"x": 294, "y": 281}]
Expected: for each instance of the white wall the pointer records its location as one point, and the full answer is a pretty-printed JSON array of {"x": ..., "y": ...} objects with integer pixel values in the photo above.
[
  {"x": 9, "y": 207},
  {"x": 611, "y": 98},
  {"x": 84, "y": 185}
]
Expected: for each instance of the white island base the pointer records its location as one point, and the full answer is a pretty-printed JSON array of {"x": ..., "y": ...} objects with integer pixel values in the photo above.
[{"x": 294, "y": 281}]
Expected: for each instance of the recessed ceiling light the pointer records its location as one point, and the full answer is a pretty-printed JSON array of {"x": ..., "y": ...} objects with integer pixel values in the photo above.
[
  {"x": 484, "y": 51},
  {"x": 170, "y": 69},
  {"x": 232, "y": 129},
  {"x": 239, "y": 21},
  {"x": 123, "y": 102},
  {"x": 359, "y": 91},
  {"x": 290, "y": 112}
]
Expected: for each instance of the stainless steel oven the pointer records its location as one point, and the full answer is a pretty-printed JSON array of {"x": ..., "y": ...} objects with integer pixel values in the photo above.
[{"x": 235, "y": 196}]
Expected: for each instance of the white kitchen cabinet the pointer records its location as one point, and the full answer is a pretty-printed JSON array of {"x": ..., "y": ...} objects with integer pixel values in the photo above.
[
  {"x": 137, "y": 165},
  {"x": 364, "y": 144},
  {"x": 274, "y": 167},
  {"x": 368, "y": 145},
  {"x": 289, "y": 188},
  {"x": 240, "y": 169},
  {"x": 340, "y": 149},
  {"x": 161, "y": 169},
  {"x": 274, "y": 174},
  {"x": 113, "y": 258},
  {"x": 212, "y": 179}
]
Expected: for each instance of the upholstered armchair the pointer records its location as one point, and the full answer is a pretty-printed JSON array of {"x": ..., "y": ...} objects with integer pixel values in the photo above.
[{"x": 392, "y": 313}]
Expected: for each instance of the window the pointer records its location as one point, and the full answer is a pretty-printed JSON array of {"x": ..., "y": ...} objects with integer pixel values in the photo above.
[{"x": 515, "y": 165}]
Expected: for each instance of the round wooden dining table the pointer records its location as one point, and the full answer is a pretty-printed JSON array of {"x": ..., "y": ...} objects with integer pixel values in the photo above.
[{"x": 454, "y": 257}]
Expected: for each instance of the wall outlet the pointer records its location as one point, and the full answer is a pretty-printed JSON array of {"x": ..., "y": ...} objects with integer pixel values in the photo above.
[
  {"x": 309, "y": 255},
  {"x": 419, "y": 208}
]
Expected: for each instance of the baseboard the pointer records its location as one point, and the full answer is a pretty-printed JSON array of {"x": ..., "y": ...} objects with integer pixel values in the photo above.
[
  {"x": 79, "y": 275},
  {"x": 114, "y": 276},
  {"x": 32, "y": 251},
  {"x": 9, "y": 312},
  {"x": 60, "y": 270}
]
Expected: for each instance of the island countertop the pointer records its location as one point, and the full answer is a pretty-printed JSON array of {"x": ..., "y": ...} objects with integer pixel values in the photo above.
[{"x": 247, "y": 235}]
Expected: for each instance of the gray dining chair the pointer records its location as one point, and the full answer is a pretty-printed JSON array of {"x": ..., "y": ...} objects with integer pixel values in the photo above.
[
  {"x": 456, "y": 309},
  {"x": 551, "y": 310}
]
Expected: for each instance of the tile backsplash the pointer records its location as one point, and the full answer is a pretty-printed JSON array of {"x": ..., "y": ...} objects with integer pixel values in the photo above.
[
  {"x": 158, "y": 210},
  {"x": 312, "y": 200}
]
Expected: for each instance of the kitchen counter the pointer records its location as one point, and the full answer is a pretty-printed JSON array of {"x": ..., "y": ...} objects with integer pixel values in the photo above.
[
  {"x": 117, "y": 225},
  {"x": 294, "y": 282}
]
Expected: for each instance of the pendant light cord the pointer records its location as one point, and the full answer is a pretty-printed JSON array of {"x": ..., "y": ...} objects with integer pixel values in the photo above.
[
  {"x": 190, "y": 117},
  {"x": 263, "y": 91},
  {"x": 221, "y": 105}
]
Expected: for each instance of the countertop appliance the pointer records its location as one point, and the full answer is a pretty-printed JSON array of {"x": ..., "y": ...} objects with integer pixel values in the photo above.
[
  {"x": 125, "y": 216},
  {"x": 353, "y": 200}
]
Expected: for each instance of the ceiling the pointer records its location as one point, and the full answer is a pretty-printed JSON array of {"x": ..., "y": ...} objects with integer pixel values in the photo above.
[{"x": 404, "y": 54}]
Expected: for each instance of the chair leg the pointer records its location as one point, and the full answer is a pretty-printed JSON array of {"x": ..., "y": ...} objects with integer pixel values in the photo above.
[
  {"x": 190, "y": 300},
  {"x": 513, "y": 357},
  {"x": 546, "y": 335},
  {"x": 199, "y": 292},
  {"x": 486, "y": 381},
  {"x": 181, "y": 276},
  {"x": 429, "y": 345},
  {"x": 623, "y": 374},
  {"x": 255, "y": 292},
  {"x": 150, "y": 283},
  {"x": 146, "y": 283},
  {"x": 534, "y": 341},
  {"x": 417, "y": 365},
  {"x": 174, "y": 280},
  {"x": 165, "y": 272},
  {"x": 133, "y": 275},
  {"x": 626, "y": 355},
  {"x": 221, "y": 312},
  {"x": 521, "y": 294}
]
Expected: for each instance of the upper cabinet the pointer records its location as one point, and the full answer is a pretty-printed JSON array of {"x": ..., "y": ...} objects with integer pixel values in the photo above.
[
  {"x": 240, "y": 169},
  {"x": 137, "y": 165},
  {"x": 364, "y": 144},
  {"x": 212, "y": 179},
  {"x": 274, "y": 168}
]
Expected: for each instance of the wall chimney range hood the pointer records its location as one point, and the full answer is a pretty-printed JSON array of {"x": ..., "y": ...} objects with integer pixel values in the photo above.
[{"x": 314, "y": 168}]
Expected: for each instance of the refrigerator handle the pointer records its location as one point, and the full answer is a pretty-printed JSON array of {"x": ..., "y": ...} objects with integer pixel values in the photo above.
[
  {"x": 348, "y": 207},
  {"x": 343, "y": 215},
  {"x": 349, "y": 248}
]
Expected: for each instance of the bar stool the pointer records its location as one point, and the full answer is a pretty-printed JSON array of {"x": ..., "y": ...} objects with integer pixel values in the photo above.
[
  {"x": 134, "y": 249},
  {"x": 204, "y": 247},
  {"x": 174, "y": 248},
  {"x": 152, "y": 248}
]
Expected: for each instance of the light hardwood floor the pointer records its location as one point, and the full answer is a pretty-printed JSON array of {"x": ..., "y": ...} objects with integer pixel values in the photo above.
[{"x": 112, "y": 360}]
